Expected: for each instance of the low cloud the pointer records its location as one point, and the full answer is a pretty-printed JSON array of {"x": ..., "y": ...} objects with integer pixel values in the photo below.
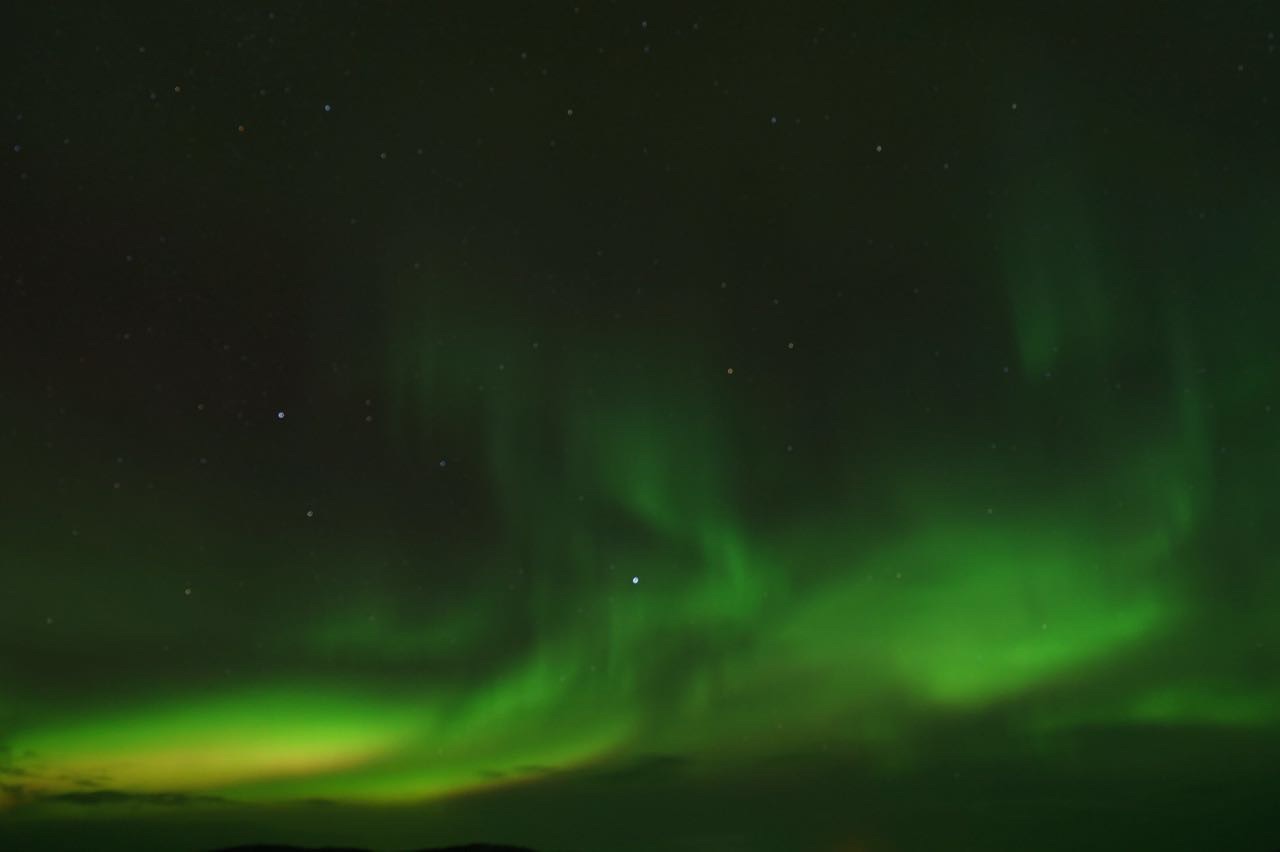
[
  {"x": 644, "y": 768},
  {"x": 119, "y": 797}
]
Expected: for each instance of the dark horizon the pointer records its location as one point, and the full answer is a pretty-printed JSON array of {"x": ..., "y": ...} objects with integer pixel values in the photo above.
[{"x": 469, "y": 847}]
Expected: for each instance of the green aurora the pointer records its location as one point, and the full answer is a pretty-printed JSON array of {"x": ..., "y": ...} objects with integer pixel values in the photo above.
[{"x": 527, "y": 567}]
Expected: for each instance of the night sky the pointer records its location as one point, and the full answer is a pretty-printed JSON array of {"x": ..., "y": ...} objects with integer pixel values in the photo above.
[{"x": 816, "y": 427}]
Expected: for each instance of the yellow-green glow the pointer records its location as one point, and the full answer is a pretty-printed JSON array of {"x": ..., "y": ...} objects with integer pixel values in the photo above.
[{"x": 203, "y": 744}]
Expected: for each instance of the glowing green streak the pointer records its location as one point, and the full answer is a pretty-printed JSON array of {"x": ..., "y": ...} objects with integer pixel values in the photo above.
[
  {"x": 741, "y": 637},
  {"x": 1056, "y": 290}
]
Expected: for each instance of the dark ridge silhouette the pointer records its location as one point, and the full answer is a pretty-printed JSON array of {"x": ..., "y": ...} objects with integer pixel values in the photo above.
[{"x": 471, "y": 847}]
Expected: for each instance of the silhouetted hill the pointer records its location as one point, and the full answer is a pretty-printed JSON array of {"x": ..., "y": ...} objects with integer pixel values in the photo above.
[{"x": 473, "y": 847}]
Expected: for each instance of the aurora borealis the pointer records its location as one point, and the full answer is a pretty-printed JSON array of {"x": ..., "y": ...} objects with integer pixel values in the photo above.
[{"x": 844, "y": 428}]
